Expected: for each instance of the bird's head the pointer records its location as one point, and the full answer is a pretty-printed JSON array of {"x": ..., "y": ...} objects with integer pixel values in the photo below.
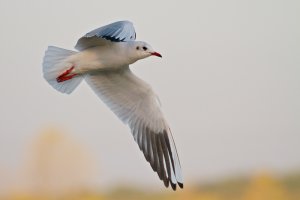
[{"x": 143, "y": 50}]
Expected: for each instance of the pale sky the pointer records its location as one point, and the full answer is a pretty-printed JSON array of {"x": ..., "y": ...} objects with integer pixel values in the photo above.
[{"x": 229, "y": 83}]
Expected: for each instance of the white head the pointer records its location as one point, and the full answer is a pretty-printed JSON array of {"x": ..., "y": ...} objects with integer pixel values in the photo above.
[{"x": 140, "y": 50}]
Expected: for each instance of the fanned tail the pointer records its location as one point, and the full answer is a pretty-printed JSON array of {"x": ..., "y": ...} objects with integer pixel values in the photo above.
[{"x": 57, "y": 69}]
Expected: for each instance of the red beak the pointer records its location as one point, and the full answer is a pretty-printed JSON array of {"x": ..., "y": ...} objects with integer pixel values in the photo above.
[{"x": 156, "y": 54}]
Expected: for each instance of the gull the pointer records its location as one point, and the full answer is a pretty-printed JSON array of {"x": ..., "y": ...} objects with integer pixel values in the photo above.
[{"x": 103, "y": 60}]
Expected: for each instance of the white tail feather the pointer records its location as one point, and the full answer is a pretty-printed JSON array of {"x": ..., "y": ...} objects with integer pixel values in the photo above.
[{"x": 54, "y": 64}]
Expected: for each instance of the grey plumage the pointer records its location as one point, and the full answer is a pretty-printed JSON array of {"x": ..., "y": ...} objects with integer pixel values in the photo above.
[
  {"x": 133, "y": 101},
  {"x": 121, "y": 31}
]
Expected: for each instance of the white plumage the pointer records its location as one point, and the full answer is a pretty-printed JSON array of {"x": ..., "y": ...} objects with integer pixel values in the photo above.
[{"x": 103, "y": 61}]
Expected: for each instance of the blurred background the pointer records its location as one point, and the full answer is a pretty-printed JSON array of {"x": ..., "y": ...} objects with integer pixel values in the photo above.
[{"x": 228, "y": 82}]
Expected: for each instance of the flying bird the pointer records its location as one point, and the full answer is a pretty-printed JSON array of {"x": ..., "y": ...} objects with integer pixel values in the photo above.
[{"x": 103, "y": 60}]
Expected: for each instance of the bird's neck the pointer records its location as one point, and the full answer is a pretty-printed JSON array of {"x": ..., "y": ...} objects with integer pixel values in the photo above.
[{"x": 126, "y": 51}]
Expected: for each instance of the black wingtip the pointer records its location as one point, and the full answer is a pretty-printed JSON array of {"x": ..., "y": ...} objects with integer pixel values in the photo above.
[
  {"x": 180, "y": 185},
  {"x": 166, "y": 182},
  {"x": 113, "y": 39},
  {"x": 173, "y": 186}
]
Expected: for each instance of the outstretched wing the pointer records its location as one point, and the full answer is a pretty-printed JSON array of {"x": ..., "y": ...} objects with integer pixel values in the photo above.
[
  {"x": 134, "y": 102},
  {"x": 121, "y": 31}
]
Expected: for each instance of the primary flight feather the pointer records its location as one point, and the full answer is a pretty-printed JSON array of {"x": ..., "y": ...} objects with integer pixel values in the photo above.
[{"x": 103, "y": 60}]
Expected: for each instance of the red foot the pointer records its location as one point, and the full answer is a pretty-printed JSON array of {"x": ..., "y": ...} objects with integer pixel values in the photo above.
[{"x": 66, "y": 75}]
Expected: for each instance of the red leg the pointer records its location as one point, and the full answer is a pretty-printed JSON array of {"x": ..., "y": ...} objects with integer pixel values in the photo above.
[{"x": 66, "y": 75}]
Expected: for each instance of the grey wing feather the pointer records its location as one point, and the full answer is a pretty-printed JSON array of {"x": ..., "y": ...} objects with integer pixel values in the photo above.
[
  {"x": 134, "y": 102},
  {"x": 121, "y": 31}
]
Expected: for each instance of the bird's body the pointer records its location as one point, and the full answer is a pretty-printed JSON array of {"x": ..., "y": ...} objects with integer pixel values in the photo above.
[
  {"x": 103, "y": 62},
  {"x": 103, "y": 58}
]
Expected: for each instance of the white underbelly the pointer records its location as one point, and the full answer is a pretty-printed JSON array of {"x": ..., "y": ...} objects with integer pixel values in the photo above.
[{"x": 97, "y": 58}]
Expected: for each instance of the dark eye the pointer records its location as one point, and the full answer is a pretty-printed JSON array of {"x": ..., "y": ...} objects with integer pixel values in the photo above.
[
  {"x": 145, "y": 48},
  {"x": 137, "y": 48}
]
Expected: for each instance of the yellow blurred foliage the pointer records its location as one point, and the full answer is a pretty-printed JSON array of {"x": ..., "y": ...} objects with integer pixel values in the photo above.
[
  {"x": 265, "y": 187},
  {"x": 58, "y": 167},
  {"x": 57, "y": 164},
  {"x": 192, "y": 194}
]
